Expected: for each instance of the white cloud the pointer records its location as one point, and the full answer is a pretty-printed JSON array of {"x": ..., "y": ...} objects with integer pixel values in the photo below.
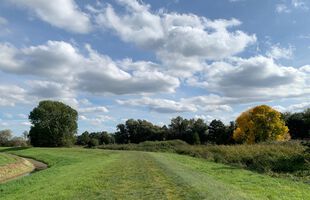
[
  {"x": 95, "y": 73},
  {"x": 207, "y": 118},
  {"x": 277, "y": 52},
  {"x": 96, "y": 121},
  {"x": 299, "y": 4},
  {"x": 11, "y": 94},
  {"x": 255, "y": 78},
  {"x": 293, "y": 108},
  {"x": 48, "y": 90},
  {"x": 22, "y": 116},
  {"x": 294, "y": 4},
  {"x": 160, "y": 105},
  {"x": 25, "y": 123},
  {"x": 97, "y": 109},
  {"x": 192, "y": 104},
  {"x": 282, "y": 8},
  {"x": 63, "y": 14},
  {"x": 182, "y": 42},
  {"x": 53, "y": 59}
]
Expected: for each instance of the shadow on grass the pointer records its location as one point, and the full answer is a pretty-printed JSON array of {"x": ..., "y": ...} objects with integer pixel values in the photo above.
[{"x": 13, "y": 149}]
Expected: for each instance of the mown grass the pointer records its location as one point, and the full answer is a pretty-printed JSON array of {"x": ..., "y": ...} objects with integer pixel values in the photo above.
[
  {"x": 289, "y": 159},
  {"x": 6, "y": 159},
  {"x": 101, "y": 174}
]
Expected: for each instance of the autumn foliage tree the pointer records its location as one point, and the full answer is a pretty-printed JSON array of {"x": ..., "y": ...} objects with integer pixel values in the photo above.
[{"x": 261, "y": 123}]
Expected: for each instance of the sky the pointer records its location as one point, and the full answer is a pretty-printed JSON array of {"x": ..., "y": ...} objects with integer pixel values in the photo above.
[{"x": 152, "y": 59}]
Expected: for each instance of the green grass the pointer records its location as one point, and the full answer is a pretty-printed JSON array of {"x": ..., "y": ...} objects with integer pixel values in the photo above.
[
  {"x": 6, "y": 159},
  {"x": 102, "y": 174},
  {"x": 287, "y": 159}
]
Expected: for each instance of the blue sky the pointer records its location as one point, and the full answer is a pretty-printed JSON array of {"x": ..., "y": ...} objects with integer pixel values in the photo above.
[{"x": 118, "y": 59}]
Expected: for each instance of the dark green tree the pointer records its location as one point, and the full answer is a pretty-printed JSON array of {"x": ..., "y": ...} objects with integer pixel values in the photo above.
[
  {"x": 54, "y": 124},
  {"x": 200, "y": 127},
  {"x": 121, "y": 136},
  {"x": 83, "y": 139},
  {"x": 217, "y": 132},
  {"x": 298, "y": 124}
]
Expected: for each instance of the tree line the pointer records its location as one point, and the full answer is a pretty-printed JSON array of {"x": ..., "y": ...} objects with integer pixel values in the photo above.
[{"x": 55, "y": 124}]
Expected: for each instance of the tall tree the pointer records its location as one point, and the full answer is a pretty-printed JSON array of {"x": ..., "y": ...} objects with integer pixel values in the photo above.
[
  {"x": 53, "y": 124},
  {"x": 260, "y": 123},
  {"x": 217, "y": 132}
]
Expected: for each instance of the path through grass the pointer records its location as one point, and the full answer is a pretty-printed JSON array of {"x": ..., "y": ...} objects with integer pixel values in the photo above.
[{"x": 99, "y": 174}]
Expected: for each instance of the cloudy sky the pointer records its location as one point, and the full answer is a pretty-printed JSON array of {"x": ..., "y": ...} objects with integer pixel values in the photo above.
[{"x": 152, "y": 59}]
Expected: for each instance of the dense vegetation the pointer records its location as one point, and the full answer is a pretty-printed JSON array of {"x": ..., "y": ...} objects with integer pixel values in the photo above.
[
  {"x": 298, "y": 124},
  {"x": 53, "y": 124},
  {"x": 279, "y": 158},
  {"x": 259, "y": 124},
  {"x": 76, "y": 173}
]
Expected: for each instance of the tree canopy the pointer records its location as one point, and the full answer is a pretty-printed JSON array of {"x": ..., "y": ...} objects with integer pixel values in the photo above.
[
  {"x": 298, "y": 124},
  {"x": 53, "y": 124},
  {"x": 261, "y": 123}
]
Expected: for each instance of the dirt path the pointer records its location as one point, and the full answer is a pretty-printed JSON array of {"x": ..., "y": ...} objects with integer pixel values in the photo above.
[{"x": 38, "y": 165}]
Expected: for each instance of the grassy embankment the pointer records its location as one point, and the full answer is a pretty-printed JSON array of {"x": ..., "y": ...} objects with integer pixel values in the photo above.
[
  {"x": 97, "y": 174},
  {"x": 12, "y": 166},
  {"x": 6, "y": 159},
  {"x": 289, "y": 159}
]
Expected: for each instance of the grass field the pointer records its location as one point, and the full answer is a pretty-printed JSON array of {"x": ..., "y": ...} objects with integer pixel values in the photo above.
[
  {"x": 101, "y": 174},
  {"x": 5, "y": 159}
]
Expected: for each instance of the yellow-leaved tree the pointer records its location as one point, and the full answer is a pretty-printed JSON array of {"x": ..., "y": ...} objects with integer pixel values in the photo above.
[{"x": 261, "y": 123}]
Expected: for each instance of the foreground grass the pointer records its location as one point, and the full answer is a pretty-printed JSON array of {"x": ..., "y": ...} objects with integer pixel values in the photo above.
[{"x": 100, "y": 174}]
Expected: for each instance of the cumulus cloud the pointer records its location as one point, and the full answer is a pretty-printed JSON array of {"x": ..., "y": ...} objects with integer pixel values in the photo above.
[
  {"x": 184, "y": 105},
  {"x": 255, "y": 78},
  {"x": 95, "y": 73},
  {"x": 180, "y": 41},
  {"x": 160, "y": 105},
  {"x": 96, "y": 121},
  {"x": 95, "y": 109},
  {"x": 108, "y": 77},
  {"x": 293, "y": 108},
  {"x": 11, "y": 94},
  {"x": 277, "y": 52},
  {"x": 63, "y": 14}
]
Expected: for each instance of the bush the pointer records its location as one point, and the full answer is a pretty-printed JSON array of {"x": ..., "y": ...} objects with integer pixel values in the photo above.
[{"x": 93, "y": 142}]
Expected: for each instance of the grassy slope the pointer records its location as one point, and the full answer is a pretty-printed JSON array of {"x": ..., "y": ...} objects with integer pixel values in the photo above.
[
  {"x": 6, "y": 159},
  {"x": 98, "y": 174}
]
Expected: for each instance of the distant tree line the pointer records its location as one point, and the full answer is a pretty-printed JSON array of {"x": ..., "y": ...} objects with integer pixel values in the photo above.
[
  {"x": 95, "y": 139},
  {"x": 7, "y": 139},
  {"x": 192, "y": 131},
  {"x": 54, "y": 124}
]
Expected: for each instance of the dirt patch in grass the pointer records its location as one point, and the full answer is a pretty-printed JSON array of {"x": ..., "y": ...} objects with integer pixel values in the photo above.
[
  {"x": 16, "y": 169},
  {"x": 20, "y": 168}
]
